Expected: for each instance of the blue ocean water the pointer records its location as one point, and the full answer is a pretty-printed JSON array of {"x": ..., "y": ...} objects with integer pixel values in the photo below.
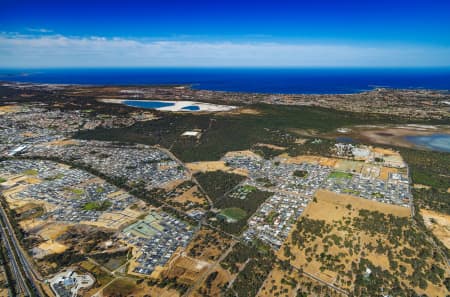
[{"x": 267, "y": 80}]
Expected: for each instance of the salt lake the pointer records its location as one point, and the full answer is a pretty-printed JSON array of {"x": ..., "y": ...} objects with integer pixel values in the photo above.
[{"x": 437, "y": 142}]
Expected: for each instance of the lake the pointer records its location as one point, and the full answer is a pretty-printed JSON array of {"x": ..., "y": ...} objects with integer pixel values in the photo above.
[{"x": 437, "y": 142}]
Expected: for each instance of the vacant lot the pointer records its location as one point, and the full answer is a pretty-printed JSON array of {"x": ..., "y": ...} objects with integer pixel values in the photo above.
[
  {"x": 208, "y": 245},
  {"x": 213, "y": 284},
  {"x": 129, "y": 287},
  {"x": 439, "y": 224},
  {"x": 280, "y": 283},
  {"x": 363, "y": 246}
]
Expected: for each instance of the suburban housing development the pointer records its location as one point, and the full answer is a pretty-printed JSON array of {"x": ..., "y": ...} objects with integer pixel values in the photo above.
[{"x": 104, "y": 199}]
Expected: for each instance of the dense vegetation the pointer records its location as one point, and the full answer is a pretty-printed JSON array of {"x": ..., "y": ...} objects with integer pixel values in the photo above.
[
  {"x": 217, "y": 183},
  {"x": 225, "y": 132},
  {"x": 300, "y": 173},
  {"x": 97, "y": 205},
  {"x": 250, "y": 204},
  {"x": 432, "y": 199},
  {"x": 428, "y": 167},
  {"x": 258, "y": 261}
]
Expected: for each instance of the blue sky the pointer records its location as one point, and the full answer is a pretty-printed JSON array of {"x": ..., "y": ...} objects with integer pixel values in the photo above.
[{"x": 224, "y": 33}]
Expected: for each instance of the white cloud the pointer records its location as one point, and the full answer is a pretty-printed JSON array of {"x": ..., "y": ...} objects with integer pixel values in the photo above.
[
  {"x": 65, "y": 51},
  {"x": 39, "y": 30}
]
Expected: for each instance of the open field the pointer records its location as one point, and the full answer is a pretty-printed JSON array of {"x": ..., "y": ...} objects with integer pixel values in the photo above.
[
  {"x": 439, "y": 224},
  {"x": 192, "y": 195},
  {"x": 234, "y": 213},
  {"x": 101, "y": 277},
  {"x": 9, "y": 108},
  {"x": 208, "y": 245},
  {"x": 207, "y": 166},
  {"x": 324, "y": 161},
  {"x": 280, "y": 283},
  {"x": 345, "y": 165},
  {"x": 48, "y": 247},
  {"x": 184, "y": 269},
  {"x": 214, "y": 283},
  {"x": 339, "y": 236},
  {"x": 127, "y": 286}
]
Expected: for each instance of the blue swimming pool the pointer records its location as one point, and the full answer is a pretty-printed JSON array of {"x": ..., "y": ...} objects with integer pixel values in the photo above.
[
  {"x": 147, "y": 104},
  {"x": 437, "y": 142}
]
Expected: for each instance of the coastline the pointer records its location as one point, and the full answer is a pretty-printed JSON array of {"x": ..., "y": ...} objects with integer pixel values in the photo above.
[{"x": 275, "y": 81}]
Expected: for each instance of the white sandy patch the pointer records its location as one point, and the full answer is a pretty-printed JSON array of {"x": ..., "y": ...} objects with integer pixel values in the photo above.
[{"x": 179, "y": 105}]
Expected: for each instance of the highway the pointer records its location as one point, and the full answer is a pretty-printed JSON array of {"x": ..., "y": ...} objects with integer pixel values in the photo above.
[
  {"x": 26, "y": 277},
  {"x": 21, "y": 287}
]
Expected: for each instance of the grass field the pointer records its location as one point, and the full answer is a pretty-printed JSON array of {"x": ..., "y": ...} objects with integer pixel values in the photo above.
[
  {"x": 97, "y": 206},
  {"x": 339, "y": 174},
  {"x": 76, "y": 191},
  {"x": 120, "y": 287},
  {"x": 234, "y": 213},
  {"x": 32, "y": 172}
]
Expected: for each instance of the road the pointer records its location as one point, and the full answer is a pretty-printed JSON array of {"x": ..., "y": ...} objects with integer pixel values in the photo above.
[
  {"x": 22, "y": 288},
  {"x": 203, "y": 277},
  {"x": 189, "y": 173},
  {"x": 26, "y": 277},
  {"x": 324, "y": 282}
]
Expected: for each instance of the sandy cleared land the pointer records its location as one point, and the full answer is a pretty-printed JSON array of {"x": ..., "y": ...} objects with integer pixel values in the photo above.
[
  {"x": 271, "y": 146},
  {"x": 273, "y": 284},
  {"x": 49, "y": 247},
  {"x": 349, "y": 166},
  {"x": 185, "y": 269},
  {"x": 125, "y": 286},
  {"x": 245, "y": 153},
  {"x": 189, "y": 196},
  {"x": 9, "y": 108},
  {"x": 243, "y": 110},
  {"x": 207, "y": 245},
  {"x": 222, "y": 278},
  {"x": 308, "y": 159},
  {"x": 384, "y": 172},
  {"x": 53, "y": 230},
  {"x": 439, "y": 224},
  {"x": 331, "y": 207},
  {"x": 115, "y": 220},
  {"x": 207, "y": 166},
  {"x": 63, "y": 142},
  {"x": 335, "y": 209},
  {"x": 330, "y": 199}
]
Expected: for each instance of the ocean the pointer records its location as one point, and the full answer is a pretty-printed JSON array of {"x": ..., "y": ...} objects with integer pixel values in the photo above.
[{"x": 267, "y": 80}]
